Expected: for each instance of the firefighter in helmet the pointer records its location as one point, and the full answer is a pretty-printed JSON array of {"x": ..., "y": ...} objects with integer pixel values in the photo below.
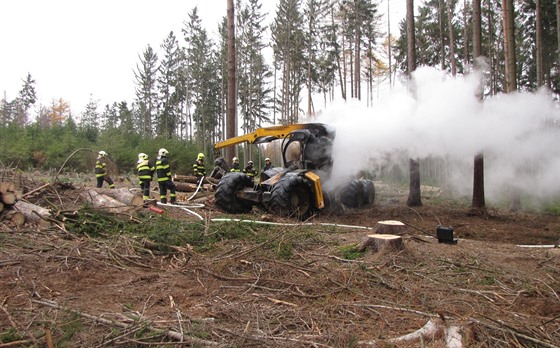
[
  {"x": 145, "y": 174},
  {"x": 198, "y": 167},
  {"x": 164, "y": 177},
  {"x": 235, "y": 165},
  {"x": 250, "y": 169},
  {"x": 101, "y": 170}
]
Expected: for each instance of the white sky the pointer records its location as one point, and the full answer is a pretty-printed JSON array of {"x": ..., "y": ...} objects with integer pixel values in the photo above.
[{"x": 77, "y": 49}]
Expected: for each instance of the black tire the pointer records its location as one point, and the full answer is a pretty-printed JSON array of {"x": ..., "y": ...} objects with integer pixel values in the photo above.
[
  {"x": 369, "y": 192},
  {"x": 225, "y": 195},
  {"x": 291, "y": 197},
  {"x": 357, "y": 193},
  {"x": 352, "y": 194}
]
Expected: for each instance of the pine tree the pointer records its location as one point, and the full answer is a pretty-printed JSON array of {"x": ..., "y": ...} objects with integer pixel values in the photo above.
[
  {"x": 146, "y": 95},
  {"x": 288, "y": 45},
  {"x": 167, "y": 82},
  {"x": 253, "y": 72}
]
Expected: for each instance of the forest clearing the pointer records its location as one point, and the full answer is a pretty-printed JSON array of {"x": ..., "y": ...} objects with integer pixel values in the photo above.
[{"x": 101, "y": 279}]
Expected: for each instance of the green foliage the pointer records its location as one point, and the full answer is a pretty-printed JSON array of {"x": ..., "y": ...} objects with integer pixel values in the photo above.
[
  {"x": 350, "y": 252},
  {"x": 10, "y": 336}
]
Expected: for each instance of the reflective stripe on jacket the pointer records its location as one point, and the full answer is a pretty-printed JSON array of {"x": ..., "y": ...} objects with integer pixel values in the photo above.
[
  {"x": 163, "y": 170},
  {"x": 198, "y": 168},
  {"x": 145, "y": 171},
  {"x": 100, "y": 167}
]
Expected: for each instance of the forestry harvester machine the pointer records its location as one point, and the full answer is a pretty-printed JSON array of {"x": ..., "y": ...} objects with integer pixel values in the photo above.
[{"x": 298, "y": 188}]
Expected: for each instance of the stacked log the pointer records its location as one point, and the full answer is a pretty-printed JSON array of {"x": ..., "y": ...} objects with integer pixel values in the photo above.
[{"x": 17, "y": 211}]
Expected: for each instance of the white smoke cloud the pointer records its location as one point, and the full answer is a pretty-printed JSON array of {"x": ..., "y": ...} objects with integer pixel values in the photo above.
[{"x": 518, "y": 133}]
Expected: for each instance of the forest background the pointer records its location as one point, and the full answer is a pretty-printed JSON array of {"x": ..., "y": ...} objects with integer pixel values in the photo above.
[{"x": 322, "y": 51}]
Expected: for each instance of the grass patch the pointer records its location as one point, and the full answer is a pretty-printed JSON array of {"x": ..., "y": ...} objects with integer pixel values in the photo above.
[{"x": 350, "y": 251}]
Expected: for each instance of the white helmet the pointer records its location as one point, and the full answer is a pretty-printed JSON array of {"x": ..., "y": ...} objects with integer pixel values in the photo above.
[
  {"x": 235, "y": 160},
  {"x": 102, "y": 153},
  {"x": 142, "y": 156},
  {"x": 163, "y": 152},
  {"x": 250, "y": 163},
  {"x": 267, "y": 159}
]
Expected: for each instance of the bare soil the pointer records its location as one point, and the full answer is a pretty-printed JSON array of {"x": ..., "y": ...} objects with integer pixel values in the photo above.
[{"x": 76, "y": 291}]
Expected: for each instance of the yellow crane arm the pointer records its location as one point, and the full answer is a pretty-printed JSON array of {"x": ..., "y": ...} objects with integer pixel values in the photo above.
[{"x": 261, "y": 135}]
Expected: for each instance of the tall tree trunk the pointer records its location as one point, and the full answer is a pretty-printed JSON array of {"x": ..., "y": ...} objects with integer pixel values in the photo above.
[
  {"x": 478, "y": 197},
  {"x": 389, "y": 51},
  {"x": 509, "y": 44},
  {"x": 414, "y": 198},
  {"x": 539, "y": 43},
  {"x": 231, "y": 98},
  {"x": 466, "y": 36},
  {"x": 441, "y": 34},
  {"x": 511, "y": 81},
  {"x": 451, "y": 40},
  {"x": 558, "y": 28},
  {"x": 414, "y": 194},
  {"x": 411, "y": 38}
]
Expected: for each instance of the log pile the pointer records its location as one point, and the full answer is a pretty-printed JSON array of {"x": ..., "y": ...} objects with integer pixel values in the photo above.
[
  {"x": 189, "y": 183},
  {"x": 19, "y": 212}
]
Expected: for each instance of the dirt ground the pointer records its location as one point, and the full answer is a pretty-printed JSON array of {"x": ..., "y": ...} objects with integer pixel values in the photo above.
[{"x": 64, "y": 290}]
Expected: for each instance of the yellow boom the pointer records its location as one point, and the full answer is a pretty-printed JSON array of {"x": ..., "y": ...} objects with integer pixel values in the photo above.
[{"x": 261, "y": 135}]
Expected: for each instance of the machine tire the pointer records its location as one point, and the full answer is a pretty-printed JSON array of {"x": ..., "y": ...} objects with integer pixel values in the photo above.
[
  {"x": 369, "y": 192},
  {"x": 291, "y": 197},
  {"x": 352, "y": 194},
  {"x": 225, "y": 196}
]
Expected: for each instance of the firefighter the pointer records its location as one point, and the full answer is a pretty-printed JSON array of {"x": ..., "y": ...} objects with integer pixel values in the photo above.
[
  {"x": 250, "y": 169},
  {"x": 164, "y": 177},
  {"x": 198, "y": 167},
  {"x": 101, "y": 172},
  {"x": 145, "y": 174},
  {"x": 267, "y": 164},
  {"x": 235, "y": 165}
]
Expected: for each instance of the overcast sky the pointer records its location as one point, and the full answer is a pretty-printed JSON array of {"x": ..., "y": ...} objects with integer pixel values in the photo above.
[{"x": 77, "y": 49}]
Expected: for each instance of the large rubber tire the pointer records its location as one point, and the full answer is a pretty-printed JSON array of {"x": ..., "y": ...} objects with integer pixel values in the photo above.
[
  {"x": 291, "y": 197},
  {"x": 369, "y": 192},
  {"x": 357, "y": 193},
  {"x": 225, "y": 195}
]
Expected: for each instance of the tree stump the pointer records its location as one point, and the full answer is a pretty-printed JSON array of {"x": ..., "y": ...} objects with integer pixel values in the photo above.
[
  {"x": 390, "y": 227},
  {"x": 379, "y": 242}
]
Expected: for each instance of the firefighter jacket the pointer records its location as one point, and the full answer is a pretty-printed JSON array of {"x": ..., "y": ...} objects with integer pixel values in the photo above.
[
  {"x": 145, "y": 170},
  {"x": 163, "y": 170},
  {"x": 250, "y": 171},
  {"x": 198, "y": 168},
  {"x": 235, "y": 168},
  {"x": 100, "y": 166}
]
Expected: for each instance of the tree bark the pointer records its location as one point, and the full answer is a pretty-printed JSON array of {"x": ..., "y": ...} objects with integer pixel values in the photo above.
[
  {"x": 122, "y": 195},
  {"x": 414, "y": 198},
  {"x": 231, "y": 87},
  {"x": 33, "y": 213},
  {"x": 539, "y": 43},
  {"x": 101, "y": 201},
  {"x": 382, "y": 242}
]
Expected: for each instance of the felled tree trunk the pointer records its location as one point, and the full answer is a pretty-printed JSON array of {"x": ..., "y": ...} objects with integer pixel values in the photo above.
[
  {"x": 122, "y": 195},
  {"x": 101, "y": 201},
  {"x": 379, "y": 242},
  {"x": 33, "y": 213},
  {"x": 185, "y": 187},
  {"x": 185, "y": 178}
]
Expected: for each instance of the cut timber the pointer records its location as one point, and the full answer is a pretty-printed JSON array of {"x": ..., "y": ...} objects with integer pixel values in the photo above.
[
  {"x": 101, "y": 201},
  {"x": 379, "y": 242},
  {"x": 16, "y": 217},
  {"x": 6, "y": 186},
  {"x": 390, "y": 227},
  {"x": 185, "y": 187},
  {"x": 9, "y": 197},
  {"x": 34, "y": 213},
  {"x": 185, "y": 178},
  {"x": 122, "y": 195}
]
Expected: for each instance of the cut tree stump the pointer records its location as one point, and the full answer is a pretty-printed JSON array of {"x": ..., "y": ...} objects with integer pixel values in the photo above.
[
  {"x": 9, "y": 197},
  {"x": 379, "y": 242},
  {"x": 16, "y": 217},
  {"x": 390, "y": 227}
]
